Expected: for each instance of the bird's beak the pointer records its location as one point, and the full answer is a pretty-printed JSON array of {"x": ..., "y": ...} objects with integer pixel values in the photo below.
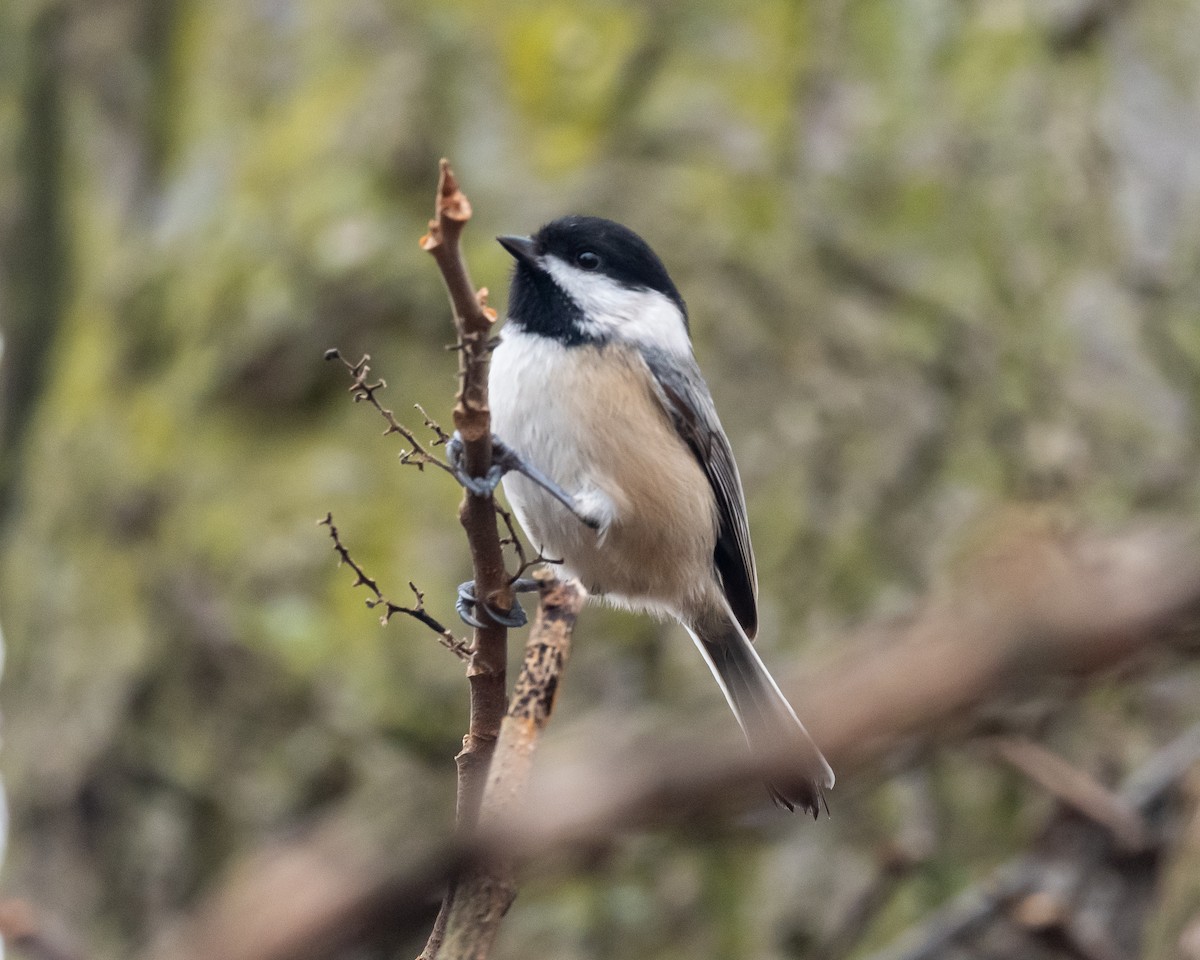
[{"x": 523, "y": 249}]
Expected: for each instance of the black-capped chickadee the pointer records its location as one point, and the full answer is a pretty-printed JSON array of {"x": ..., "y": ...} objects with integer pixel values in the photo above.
[{"x": 594, "y": 383}]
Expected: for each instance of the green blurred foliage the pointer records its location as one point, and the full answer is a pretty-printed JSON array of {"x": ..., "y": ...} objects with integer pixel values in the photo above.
[{"x": 941, "y": 264}]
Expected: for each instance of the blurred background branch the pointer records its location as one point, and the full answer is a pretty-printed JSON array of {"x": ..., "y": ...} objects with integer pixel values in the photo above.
[
  {"x": 1076, "y": 605},
  {"x": 1035, "y": 612}
]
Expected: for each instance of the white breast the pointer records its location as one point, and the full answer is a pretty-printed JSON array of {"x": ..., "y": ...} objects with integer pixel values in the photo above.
[{"x": 587, "y": 416}]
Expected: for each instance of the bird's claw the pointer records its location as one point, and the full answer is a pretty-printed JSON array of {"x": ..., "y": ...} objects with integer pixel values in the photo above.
[
  {"x": 476, "y": 486},
  {"x": 505, "y": 459},
  {"x": 483, "y": 486},
  {"x": 467, "y": 602}
]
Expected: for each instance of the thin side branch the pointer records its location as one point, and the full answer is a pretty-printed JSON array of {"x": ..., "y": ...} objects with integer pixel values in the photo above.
[
  {"x": 525, "y": 563},
  {"x": 442, "y": 436},
  {"x": 363, "y": 390},
  {"x": 460, "y": 648}
]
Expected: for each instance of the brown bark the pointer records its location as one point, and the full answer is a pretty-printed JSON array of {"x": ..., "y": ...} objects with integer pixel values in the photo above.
[
  {"x": 472, "y": 419},
  {"x": 486, "y": 891},
  {"x": 486, "y": 670}
]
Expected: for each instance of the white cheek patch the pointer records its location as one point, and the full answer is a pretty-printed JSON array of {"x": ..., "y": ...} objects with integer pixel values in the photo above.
[{"x": 645, "y": 317}]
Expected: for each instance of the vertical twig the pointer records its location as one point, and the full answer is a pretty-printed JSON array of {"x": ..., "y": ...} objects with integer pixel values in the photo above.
[{"x": 486, "y": 670}]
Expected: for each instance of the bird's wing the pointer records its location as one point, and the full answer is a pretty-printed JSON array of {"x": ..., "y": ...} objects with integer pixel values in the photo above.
[{"x": 688, "y": 403}]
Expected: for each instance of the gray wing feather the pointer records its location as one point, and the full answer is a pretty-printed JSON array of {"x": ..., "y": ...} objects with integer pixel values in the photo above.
[{"x": 688, "y": 403}]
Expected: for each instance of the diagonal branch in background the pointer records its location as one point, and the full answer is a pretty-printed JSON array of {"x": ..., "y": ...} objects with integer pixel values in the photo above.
[
  {"x": 1020, "y": 885},
  {"x": 1050, "y": 608},
  {"x": 1037, "y": 608},
  {"x": 1076, "y": 789}
]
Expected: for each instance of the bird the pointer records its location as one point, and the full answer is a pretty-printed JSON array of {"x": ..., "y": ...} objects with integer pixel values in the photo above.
[{"x": 595, "y": 385}]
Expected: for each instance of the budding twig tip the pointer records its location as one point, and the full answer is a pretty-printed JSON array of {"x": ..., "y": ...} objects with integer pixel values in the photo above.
[{"x": 448, "y": 183}]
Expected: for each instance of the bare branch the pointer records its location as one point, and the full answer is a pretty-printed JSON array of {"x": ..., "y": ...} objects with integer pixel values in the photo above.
[
  {"x": 486, "y": 671},
  {"x": 514, "y": 540},
  {"x": 442, "y": 436},
  {"x": 361, "y": 389},
  {"x": 460, "y": 648},
  {"x": 361, "y": 577}
]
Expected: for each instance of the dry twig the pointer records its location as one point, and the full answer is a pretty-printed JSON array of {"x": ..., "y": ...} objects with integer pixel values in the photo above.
[
  {"x": 460, "y": 648},
  {"x": 362, "y": 389}
]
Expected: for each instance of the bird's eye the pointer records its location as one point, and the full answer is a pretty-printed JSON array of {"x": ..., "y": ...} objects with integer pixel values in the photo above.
[{"x": 587, "y": 260}]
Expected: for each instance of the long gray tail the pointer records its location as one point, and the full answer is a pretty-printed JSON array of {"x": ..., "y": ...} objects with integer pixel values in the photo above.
[{"x": 765, "y": 716}]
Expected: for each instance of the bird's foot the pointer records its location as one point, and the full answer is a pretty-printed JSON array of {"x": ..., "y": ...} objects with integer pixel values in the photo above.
[
  {"x": 504, "y": 460},
  {"x": 483, "y": 486},
  {"x": 466, "y": 603}
]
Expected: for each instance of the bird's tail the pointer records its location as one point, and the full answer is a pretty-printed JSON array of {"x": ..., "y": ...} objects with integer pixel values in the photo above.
[{"x": 765, "y": 716}]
